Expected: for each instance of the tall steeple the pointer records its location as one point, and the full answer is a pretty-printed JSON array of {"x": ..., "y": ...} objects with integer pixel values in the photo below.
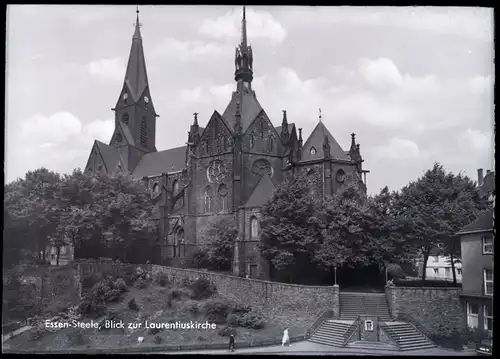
[
  {"x": 243, "y": 59},
  {"x": 136, "y": 77}
]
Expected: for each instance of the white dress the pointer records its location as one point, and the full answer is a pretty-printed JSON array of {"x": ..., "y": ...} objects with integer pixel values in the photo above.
[{"x": 285, "y": 339}]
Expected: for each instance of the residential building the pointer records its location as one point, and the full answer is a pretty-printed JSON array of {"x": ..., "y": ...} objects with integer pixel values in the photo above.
[
  {"x": 477, "y": 245},
  {"x": 439, "y": 268}
]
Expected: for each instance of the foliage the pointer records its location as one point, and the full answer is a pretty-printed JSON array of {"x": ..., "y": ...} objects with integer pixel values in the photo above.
[
  {"x": 178, "y": 293},
  {"x": 227, "y": 331},
  {"x": 158, "y": 339},
  {"x": 76, "y": 338},
  {"x": 216, "y": 311},
  {"x": 199, "y": 258},
  {"x": 289, "y": 227},
  {"x": 202, "y": 288},
  {"x": 220, "y": 238},
  {"x": 425, "y": 283},
  {"x": 435, "y": 207},
  {"x": 251, "y": 320},
  {"x": 132, "y": 304},
  {"x": 162, "y": 279},
  {"x": 36, "y": 334}
]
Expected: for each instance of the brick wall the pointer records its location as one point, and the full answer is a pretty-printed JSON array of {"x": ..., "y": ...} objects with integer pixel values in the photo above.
[
  {"x": 433, "y": 308},
  {"x": 268, "y": 296}
]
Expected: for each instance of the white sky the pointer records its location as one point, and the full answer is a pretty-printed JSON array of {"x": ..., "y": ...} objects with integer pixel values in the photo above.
[{"x": 414, "y": 84}]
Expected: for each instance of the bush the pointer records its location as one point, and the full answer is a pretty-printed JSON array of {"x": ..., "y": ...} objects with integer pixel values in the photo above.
[
  {"x": 154, "y": 331},
  {"x": 158, "y": 339},
  {"x": 91, "y": 309},
  {"x": 202, "y": 288},
  {"x": 178, "y": 293},
  {"x": 252, "y": 320},
  {"x": 201, "y": 338},
  {"x": 448, "y": 342},
  {"x": 162, "y": 279},
  {"x": 129, "y": 275},
  {"x": 111, "y": 316},
  {"x": 193, "y": 307},
  {"x": 227, "y": 331},
  {"x": 216, "y": 311},
  {"x": 90, "y": 280},
  {"x": 120, "y": 285},
  {"x": 132, "y": 304},
  {"x": 198, "y": 258}
]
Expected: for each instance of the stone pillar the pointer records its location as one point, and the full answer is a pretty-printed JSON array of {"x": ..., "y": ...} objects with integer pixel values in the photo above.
[
  {"x": 390, "y": 294},
  {"x": 336, "y": 301}
]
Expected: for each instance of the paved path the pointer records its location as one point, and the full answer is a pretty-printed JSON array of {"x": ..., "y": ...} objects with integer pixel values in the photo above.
[{"x": 308, "y": 348}]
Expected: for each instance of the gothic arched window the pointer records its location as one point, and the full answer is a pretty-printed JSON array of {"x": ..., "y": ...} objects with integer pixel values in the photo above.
[
  {"x": 156, "y": 189},
  {"x": 175, "y": 187},
  {"x": 144, "y": 131},
  {"x": 261, "y": 129},
  {"x": 125, "y": 118},
  {"x": 223, "y": 192},
  {"x": 271, "y": 144},
  {"x": 254, "y": 227},
  {"x": 251, "y": 141},
  {"x": 208, "y": 199}
]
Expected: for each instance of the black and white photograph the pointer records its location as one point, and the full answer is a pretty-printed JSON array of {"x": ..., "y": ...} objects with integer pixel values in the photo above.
[{"x": 227, "y": 180}]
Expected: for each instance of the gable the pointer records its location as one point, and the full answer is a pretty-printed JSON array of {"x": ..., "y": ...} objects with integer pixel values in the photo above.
[
  {"x": 249, "y": 108},
  {"x": 316, "y": 140},
  {"x": 155, "y": 163},
  {"x": 102, "y": 157},
  {"x": 262, "y": 193},
  {"x": 122, "y": 135},
  {"x": 261, "y": 136},
  {"x": 216, "y": 138}
]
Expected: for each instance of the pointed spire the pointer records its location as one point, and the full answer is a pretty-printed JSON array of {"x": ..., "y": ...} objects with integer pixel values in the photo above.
[
  {"x": 244, "y": 29},
  {"x": 320, "y": 115},
  {"x": 285, "y": 121},
  {"x": 353, "y": 140},
  {"x": 195, "y": 118},
  {"x": 136, "y": 78}
]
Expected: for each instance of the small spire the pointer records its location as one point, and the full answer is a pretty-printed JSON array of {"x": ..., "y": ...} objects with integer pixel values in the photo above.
[
  {"x": 353, "y": 140},
  {"x": 195, "y": 118},
  {"x": 244, "y": 29},
  {"x": 138, "y": 25},
  {"x": 300, "y": 134},
  {"x": 285, "y": 121},
  {"x": 320, "y": 115}
]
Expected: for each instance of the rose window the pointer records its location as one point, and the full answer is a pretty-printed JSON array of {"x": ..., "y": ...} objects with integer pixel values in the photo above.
[
  {"x": 262, "y": 167},
  {"x": 216, "y": 171}
]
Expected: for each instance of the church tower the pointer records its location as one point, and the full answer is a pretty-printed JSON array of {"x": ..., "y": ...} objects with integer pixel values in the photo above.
[{"x": 135, "y": 115}]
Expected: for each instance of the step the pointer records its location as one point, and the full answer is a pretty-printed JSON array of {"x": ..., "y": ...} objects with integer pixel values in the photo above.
[
  {"x": 326, "y": 342},
  {"x": 336, "y": 339},
  {"x": 329, "y": 333},
  {"x": 412, "y": 340},
  {"x": 417, "y": 347}
]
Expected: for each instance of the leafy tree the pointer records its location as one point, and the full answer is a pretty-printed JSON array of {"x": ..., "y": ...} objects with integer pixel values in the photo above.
[
  {"x": 289, "y": 228},
  {"x": 435, "y": 207},
  {"x": 220, "y": 239}
]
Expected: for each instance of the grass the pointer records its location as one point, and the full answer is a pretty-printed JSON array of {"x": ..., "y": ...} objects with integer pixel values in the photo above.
[{"x": 154, "y": 306}]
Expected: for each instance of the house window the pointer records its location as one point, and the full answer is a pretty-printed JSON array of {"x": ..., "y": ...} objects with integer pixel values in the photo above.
[
  {"x": 435, "y": 259},
  {"x": 447, "y": 271},
  {"x": 488, "y": 244},
  {"x": 254, "y": 227},
  {"x": 488, "y": 317},
  {"x": 459, "y": 271},
  {"x": 472, "y": 315},
  {"x": 488, "y": 282},
  {"x": 369, "y": 326},
  {"x": 436, "y": 271},
  {"x": 208, "y": 199}
]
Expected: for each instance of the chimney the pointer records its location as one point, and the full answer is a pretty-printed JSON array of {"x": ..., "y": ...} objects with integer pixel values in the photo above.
[
  {"x": 480, "y": 177},
  {"x": 488, "y": 172}
]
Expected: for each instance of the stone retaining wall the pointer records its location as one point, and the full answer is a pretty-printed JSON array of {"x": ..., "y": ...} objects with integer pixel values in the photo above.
[{"x": 437, "y": 310}]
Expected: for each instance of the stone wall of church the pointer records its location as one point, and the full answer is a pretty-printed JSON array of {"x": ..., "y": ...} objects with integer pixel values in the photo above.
[{"x": 254, "y": 166}]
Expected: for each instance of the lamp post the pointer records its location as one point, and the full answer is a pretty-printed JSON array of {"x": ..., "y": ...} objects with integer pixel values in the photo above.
[{"x": 335, "y": 275}]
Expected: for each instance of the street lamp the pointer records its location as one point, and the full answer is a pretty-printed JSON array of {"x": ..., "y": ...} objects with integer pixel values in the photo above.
[{"x": 335, "y": 274}]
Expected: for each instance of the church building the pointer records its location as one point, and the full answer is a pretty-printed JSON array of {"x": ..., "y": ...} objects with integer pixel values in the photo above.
[{"x": 228, "y": 168}]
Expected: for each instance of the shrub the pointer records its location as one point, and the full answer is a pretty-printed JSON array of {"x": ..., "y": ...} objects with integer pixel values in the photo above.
[
  {"x": 240, "y": 308},
  {"x": 201, "y": 338},
  {"x": 158, "y": 339},
  {"x": 129, "y": 275},
  {"x": 202, "y": 288},
  {"x": 132, "y": 304},
  {"x": 90, "y": 280},
  {"x": 216, "y": 311},
  {"x": 169, "y": 303},
  {"x": 198, "y": 258},
  {"x": 252, "y": 320},
  {"x": 162, "y": 279},
  {"x": 154, "y": 331},
  {"x": 193, "y": 307},
  {"x": 227, "y": 331},
  {"x": 91, "y": 309},
  {"x": 178, "y": 293},
  {"x": 120, "y": 285}
]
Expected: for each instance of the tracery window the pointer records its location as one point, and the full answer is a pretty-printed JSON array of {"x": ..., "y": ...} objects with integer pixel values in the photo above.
[
  {"x": 208, "y": 199},
  {"x": 125, "y": 118},
  {"x": 175, "y": 187},
  {"x": 144, "y": 131},
  {"x": 223, "y": 198},
  {"x": 254, "y": 227}
]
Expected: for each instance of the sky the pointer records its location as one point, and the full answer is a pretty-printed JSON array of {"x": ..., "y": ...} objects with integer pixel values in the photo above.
[{"x": 415, "y": 84}]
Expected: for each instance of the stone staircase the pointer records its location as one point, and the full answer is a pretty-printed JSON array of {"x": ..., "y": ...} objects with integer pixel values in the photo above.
[
  {"x": 407, "y": 337},
  {"x": 331, "y": 332},
  {"x": 353, "y": 305}
]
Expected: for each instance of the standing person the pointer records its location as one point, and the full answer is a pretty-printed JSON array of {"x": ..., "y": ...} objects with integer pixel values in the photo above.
[
  {"x": 286, "y": 338},
  {"x": 231, "y": 342}
]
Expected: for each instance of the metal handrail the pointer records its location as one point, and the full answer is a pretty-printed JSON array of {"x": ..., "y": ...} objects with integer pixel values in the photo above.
[
  {"x": 328, "y": 313},
  {"x": 390, "y": 333},
  {"x": 350, "y": 332}
]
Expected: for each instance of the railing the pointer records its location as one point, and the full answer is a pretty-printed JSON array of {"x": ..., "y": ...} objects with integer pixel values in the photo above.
[
  {"x": 328, "y": 313},
  {"x": 390, "y": 333},
  {"x": 353, "y": 329},
  {"x": 405, "y": 317}
]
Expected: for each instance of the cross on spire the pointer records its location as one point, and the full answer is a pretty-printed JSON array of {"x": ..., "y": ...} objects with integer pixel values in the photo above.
[
  {"x": 320, "y": 114},
  {"x": 137, "y": 23}
]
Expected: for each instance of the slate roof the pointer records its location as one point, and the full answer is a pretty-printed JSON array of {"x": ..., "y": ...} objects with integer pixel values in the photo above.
[
  {"x": 488, "y": 184},
  {"x": 109, "y": 155},
  {"x": 167, "y": 161},
  {"x": 136, "y": 77},
  {"x": 126, "y": 132},
  {"x": 249, "y": 108},
  {"x": 483, "y": 223},
  {"x": 316, "y": 139},
  {"x": 262, "y": 192}
]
